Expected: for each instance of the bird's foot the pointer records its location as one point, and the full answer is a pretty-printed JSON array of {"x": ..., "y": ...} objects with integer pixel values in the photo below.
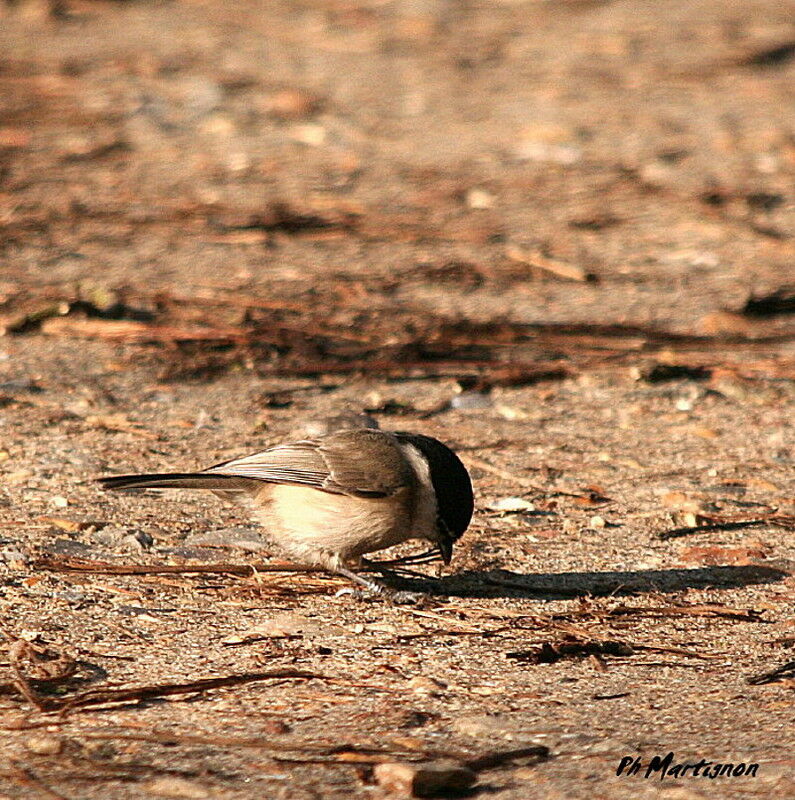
[
  {"x": 370, "y": 590},
  {"x": 382, "y": 593},
  {"x": 362, "y": 593}
]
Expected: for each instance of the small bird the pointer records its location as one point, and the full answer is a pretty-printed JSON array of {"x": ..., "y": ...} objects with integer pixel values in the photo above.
[{"x": 329, "y": 499}]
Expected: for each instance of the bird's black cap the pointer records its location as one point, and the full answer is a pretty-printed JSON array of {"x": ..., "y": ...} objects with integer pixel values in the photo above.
[{"x": 451, "y": 484}]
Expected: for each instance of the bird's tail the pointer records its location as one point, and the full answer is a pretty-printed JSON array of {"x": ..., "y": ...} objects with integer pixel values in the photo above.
[{"x": 174, "y": 480}]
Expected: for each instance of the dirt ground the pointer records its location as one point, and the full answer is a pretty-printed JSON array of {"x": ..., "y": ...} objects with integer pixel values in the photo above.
[{"x": 557, "y": 235}]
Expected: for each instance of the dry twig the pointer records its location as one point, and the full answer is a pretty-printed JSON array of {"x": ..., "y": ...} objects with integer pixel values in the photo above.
[
  {"x": 554, "y": 266},
  {"x": 735, "y": 522},
  {"x": 784, "y": 672}
]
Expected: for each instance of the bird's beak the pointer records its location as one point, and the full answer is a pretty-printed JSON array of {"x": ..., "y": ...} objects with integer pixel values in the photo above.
[{"x": 446, "y": 549}]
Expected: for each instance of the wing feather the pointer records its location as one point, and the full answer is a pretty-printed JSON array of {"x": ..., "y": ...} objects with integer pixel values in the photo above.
[{"x": 350, "y": 462}]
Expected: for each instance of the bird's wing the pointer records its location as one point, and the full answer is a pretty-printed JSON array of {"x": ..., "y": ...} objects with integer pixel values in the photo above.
[{"x": 362, "y": 465}]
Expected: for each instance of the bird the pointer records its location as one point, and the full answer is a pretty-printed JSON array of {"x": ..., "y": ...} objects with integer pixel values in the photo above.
[{"x": 327, "y": 500}]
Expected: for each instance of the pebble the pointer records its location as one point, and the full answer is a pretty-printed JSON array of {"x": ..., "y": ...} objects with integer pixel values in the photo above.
[
  {"x": 550, "y": 143},
  {"x": 72, "y": 596},
  {"x": 424, "y": 780},
  {"x": 292, "y": 104},
  {"x": 218, "y": 125},
  {"x": 479, "y": 199},
  {"x": 511, "y": 505},
  {"x": 123, "y": 539},
  {"x": 44, "y": 745},
  {"x": 13, "y": 557},
  {"x": 471, "y": 400},
  {"x": 136, "y": 542},
  {"x": 511, "y": 412},
  {"x": 309, "y": 134}
]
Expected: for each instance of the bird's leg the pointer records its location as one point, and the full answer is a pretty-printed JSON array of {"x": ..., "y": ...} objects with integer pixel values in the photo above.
[{"x": 373, "y": 588}]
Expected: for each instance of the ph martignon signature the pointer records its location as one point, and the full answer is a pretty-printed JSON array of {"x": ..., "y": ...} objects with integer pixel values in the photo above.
[{"x": 665, "y": 767}]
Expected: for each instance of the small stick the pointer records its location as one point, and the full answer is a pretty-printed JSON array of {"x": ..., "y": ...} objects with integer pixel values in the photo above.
[
  {"x": 779, "y": 674},
  {"x": 537, "y": 260},
  {"x": 71, "y": 564},
  {"x": 786, "y": 521},
  {"x": 696, "y": 610},
  {"x": 93, "y": 697},
  {"x": 108, "y": 568}
]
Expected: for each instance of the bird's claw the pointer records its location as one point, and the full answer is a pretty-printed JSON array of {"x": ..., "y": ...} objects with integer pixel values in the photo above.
[
  {"x": 376, "y": 592},
  {"x": 359, "y": 593}
]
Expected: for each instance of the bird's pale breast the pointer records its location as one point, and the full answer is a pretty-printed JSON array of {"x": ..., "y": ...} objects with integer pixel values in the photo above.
[{"x": 327, "y": 529}]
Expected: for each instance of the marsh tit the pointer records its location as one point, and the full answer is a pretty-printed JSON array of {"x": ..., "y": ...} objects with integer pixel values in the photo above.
[{"x": 329, "y": 499}]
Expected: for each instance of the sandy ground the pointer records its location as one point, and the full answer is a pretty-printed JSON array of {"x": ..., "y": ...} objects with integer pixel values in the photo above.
[{"x": 530, "y": 229}]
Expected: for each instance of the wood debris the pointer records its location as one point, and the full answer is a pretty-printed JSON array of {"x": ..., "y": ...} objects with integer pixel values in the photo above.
[
  {"x": 554, "y": 266},
  {"x": 728, "y": 523},
  {"x": 786, "y": 672},
  {"x": 136, "y": 694}
]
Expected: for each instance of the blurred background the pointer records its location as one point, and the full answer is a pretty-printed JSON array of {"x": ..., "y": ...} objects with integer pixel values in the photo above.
[{"x": 574, "y": 161}]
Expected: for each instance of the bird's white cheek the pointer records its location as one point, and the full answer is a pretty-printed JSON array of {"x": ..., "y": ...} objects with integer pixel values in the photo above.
[{"x": 424, "y": 520}]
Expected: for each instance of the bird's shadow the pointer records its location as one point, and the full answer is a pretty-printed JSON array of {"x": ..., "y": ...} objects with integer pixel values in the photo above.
[{"x": 560, "y": 585}]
